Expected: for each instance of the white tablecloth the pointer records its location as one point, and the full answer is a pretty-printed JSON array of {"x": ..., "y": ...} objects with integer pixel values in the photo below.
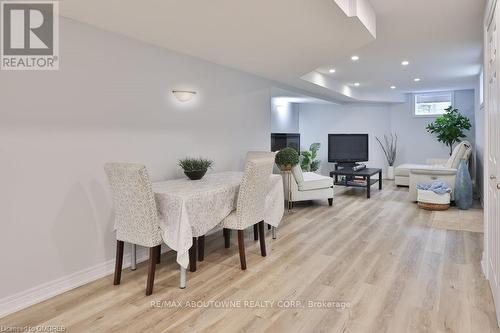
[{"x": 191, "y": 208}]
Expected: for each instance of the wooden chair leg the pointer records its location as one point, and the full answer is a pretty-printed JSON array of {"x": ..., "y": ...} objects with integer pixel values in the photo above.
[
  {"x": 262, "y": 239},
  {"x": 192, "y": 255},
  {"x": 118, "y": 262},
  {"x": 241, "y": 246},
  {"x": 227, "y": 237},
  {"x": 255, "y": 232},
  {"x": 330, "y": 201},
  {"x": 153, "y": 259},
  {"x": 201, "y": 248},
  {"x": 158, "y": 255}
]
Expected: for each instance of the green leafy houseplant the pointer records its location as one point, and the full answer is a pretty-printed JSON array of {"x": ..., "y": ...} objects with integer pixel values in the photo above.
[
  {"x": 195, "y": 168},
  {"x": 287, "y": 158},
  {"x": 450, "y": 127},
  {"x": 309, "y": 161}
]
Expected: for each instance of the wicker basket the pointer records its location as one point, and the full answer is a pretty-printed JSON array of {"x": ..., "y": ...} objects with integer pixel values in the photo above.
[
  {"x": 432, "y": 206},
  {"x": 429, "y": 200}
]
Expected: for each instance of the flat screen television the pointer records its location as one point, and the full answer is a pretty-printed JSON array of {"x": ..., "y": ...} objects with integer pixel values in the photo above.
[{"x": 347, "y": 148}]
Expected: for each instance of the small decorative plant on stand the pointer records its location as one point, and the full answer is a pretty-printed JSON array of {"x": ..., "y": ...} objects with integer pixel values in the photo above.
[
  {"x": 450, "y": 127},
  {"x": 389, "y": 146},
  {"x": 309, "y": 161},
  {"x": 195, "y": 168},
  {"x": 286, "y": 159}
]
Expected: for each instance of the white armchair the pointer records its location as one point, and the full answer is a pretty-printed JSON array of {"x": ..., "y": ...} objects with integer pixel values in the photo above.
[
  {"x": 445, "y": 170},
  {"x": 308, "y": 186}
]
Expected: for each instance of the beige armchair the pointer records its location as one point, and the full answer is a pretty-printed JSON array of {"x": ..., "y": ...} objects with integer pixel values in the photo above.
[
  {"x": 412, "y": 174},
  {"x": 308, "y": 186}
]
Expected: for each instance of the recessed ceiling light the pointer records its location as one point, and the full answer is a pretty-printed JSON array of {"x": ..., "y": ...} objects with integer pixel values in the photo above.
[
  {"x": 393, "y": 87},
  {"x": 405, "y": 63},
  {"x": 416, "y": 79},
  {"x": 332, "y": 70},
  {"x": 354, "y": 58},
  {"x": 356, "y": 84}
]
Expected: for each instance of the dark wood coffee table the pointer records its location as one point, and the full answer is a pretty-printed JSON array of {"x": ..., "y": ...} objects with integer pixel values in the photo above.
[{"x": 349, "y": 174}]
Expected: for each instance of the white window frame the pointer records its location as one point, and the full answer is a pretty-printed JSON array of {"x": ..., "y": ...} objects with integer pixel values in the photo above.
[{"x": 415, "y": 96}]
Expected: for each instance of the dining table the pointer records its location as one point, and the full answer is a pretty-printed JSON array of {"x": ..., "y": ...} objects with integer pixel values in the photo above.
[{"x": 192, "y": 208}]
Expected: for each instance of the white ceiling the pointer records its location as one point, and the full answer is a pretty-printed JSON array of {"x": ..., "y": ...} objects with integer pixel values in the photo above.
[
  {"x": 281, "y": 96},
  {"x": 442, "y": 40},
  {"x": 295, "y": 41},
  {"x": 280, "y": 39}
]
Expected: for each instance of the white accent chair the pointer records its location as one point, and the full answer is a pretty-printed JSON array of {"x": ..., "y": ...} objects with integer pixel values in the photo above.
[
  {"x": 308, "y": 186},
  {"x": 250, "y": 205},
  {"x": 442, "y": 169},
  {"x": 261, "y": 154},
  {"x": 136, "y": 216}
]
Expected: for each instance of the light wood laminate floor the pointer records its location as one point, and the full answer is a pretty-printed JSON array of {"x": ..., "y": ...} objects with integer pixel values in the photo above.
[{"x": 384, "y": 258}]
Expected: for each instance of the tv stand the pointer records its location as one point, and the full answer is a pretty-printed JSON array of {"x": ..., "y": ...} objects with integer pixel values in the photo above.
[
  {"x": 351, "y": 165},
  {"x": 345, "y": 165},
  {"x": 351, "y": 176}
]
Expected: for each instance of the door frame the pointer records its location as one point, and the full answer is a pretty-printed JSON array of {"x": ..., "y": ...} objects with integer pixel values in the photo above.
[
  {"x": 492, "y": 11},
  {"x": 488, "y": 16}
]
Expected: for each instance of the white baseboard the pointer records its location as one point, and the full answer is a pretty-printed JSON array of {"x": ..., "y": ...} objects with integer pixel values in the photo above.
[
  {"x": 40, "y": 293},
  {"x": 484, "y": 267}
]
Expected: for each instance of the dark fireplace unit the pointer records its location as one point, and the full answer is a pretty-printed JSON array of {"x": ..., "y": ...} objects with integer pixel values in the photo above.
[{"x": 283, "y": 140}]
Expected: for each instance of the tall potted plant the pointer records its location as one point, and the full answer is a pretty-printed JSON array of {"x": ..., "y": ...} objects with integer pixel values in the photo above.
[
  {"x": 450, "y": 127},
  {"x": 389, "y": 146},
  {"x": 309, "y": 161}
]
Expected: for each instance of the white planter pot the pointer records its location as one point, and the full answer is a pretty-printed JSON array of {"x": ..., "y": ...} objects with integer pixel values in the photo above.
[{"x": 390, "y": 173}]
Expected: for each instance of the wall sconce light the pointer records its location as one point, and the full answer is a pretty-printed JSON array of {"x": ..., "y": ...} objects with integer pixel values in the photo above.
[
  {"x": 281, "y": 109},
  {"x": 183, "y": 95}
]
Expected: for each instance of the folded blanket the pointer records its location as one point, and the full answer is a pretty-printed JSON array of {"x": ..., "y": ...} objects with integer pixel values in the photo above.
[{"x": 437, "y": 186}]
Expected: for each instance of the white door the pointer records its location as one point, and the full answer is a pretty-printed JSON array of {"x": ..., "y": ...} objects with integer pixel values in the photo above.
[{"x": 493, "y": 155}]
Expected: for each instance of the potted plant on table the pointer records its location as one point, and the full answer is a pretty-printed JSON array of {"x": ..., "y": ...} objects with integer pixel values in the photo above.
[
  {"x": 286, "y": 159},
  {"x": 389, "y": 146},
  {"x": 195, "y": 168}
]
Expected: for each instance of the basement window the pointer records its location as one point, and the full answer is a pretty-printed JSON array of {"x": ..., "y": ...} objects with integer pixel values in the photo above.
[{"x": 432, "y": 104}]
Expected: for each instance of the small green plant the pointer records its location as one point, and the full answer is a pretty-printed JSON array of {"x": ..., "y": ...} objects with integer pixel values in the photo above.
[
  {"x": 309, "y": 161},
  {"x": 287, "y": 158},
  {"x": 195, "y": 164},
  {"x": 450, "y": 127}
]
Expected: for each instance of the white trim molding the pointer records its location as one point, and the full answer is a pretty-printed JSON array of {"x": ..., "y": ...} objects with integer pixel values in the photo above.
[
  {"x": 363, "y": 11},
  {"x": 40, "y": 293}
]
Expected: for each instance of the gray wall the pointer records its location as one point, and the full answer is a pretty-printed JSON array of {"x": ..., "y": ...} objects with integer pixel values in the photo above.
[
  {"x": 316, "y": 121},
  {"x": 110, "y": 101},
  {"x": 284, "y": 116},
  {"x": 415, "y": 143}
]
